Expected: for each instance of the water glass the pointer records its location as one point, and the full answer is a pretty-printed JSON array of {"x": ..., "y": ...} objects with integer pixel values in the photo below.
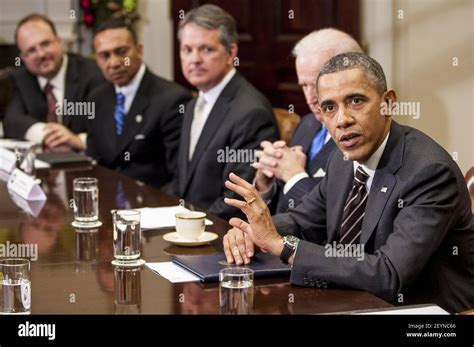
[
  {"x": 15, "y": 286},
  {"x": 236, "y": 290},
  {"x": 86, "y": 201},
  {"x": 127, "y": 236}
]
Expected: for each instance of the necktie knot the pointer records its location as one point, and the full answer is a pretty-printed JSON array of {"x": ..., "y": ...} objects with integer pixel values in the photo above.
[
  {"x": 360, "y": 177},
  {"x": 120, "y": 98},
  {"x": 200, "y": 103},
  {"x": 48, "y": 88}
]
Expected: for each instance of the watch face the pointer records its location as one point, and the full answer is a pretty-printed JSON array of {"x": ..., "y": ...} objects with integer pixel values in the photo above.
[{"x": 292, "y": 240}]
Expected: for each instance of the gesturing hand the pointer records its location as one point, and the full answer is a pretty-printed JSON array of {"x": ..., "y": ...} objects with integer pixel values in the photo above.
[{"x": 260, "y": 228}]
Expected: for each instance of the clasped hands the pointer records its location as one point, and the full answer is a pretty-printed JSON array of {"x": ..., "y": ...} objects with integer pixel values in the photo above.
[
  {"x": 58, "y": 138},
  {"x": 277, "y": 160}
]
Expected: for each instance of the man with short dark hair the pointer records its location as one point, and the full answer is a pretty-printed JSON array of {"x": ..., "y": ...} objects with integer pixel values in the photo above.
[
  {"x": 394, "y": 207},
  {"x": 49, "y": 80},
  {"x": 229, "y": 116},
  {"x": 138, "y": 121}
]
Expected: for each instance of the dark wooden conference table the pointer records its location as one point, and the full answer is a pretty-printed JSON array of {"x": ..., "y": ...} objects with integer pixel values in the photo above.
[{"x": 74, "y": 275}]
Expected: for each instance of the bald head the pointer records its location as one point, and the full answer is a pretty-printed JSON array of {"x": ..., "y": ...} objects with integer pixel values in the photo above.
[{"x": 312, "y": 52}]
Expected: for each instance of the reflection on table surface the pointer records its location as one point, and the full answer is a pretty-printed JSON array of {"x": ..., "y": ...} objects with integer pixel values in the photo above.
[{"x": 73, "y": 273}]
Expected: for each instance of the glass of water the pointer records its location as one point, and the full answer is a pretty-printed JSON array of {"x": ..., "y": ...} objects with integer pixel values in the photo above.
[
  {"x": 127, "y": 237},
  {"x": 236, "y": 290},
  {"x": 86, "y": 202},
  {"x": 15, "y": 286}
]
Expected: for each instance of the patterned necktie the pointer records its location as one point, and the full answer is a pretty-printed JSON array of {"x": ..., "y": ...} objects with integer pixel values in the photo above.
[
  {"x": 318, "y": 142},
  {"x": 197, "y": 124},
  {"x": 119, "y": 113},
  {"x": 354, "y": 210},
  {"x": 51, "y": 100}
]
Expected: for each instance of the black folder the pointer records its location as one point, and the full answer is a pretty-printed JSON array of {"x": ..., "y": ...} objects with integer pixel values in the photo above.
[
  {"x": 207, "y": 266},
  {"x": 63, "y": 158}
]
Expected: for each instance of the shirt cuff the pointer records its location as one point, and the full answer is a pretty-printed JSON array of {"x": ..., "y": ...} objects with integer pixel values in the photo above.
[
  {"x": 293, "y": 180},
  {"x": 35, "y": 133},
  {"x": 83, "y": 138},
  {"x": 269, "y": 194}
]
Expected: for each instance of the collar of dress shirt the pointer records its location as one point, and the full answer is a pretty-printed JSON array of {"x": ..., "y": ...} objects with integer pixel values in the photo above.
[
  {"x": 58, "y": 82},
  {"x": 328, "y": 137},
  {"x": 130, "y": 90},
  {"x": 371, "y": 164},
  {"x": 212, "y": 94}
]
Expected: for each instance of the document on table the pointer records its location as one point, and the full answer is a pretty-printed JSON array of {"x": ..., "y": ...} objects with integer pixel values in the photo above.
[
  {"x": 161, "y": 217},
  {"x": 172, "y": 272}
]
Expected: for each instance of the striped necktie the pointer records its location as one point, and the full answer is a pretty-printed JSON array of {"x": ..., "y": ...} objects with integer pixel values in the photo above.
[
  {"x": 119, "y": 113},
  {"x": 354, "y": 210}
]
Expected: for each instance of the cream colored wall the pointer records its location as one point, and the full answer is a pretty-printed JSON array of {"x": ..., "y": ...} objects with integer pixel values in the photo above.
[
  {"x": 417, "y": 48},
  {"x": 156, "y": 33}
]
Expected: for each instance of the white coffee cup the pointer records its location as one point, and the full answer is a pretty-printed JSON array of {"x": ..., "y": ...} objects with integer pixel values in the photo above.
[{"x": 190, "y": 225}]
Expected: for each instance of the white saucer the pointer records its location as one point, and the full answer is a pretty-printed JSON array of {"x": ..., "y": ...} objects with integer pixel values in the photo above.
[
  {"x": 79, "y": 225},
  {"x": 204, "y": 239},
  {"x": 137, "y": 263}
]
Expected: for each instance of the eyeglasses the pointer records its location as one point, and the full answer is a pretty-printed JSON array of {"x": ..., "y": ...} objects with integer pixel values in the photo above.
[{"x": 43, "y": 45}]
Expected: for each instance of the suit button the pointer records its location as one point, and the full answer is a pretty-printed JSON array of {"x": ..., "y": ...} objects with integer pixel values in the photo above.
[
  {"x": 324, "y": 284},
  {"x": 305, "y": 281},
  {"x": 318, "y": 283},
  {"x": 311, "y": 282}
]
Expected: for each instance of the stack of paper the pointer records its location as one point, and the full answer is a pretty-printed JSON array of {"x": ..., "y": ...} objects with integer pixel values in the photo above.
[{"x": 172, "y": 272}]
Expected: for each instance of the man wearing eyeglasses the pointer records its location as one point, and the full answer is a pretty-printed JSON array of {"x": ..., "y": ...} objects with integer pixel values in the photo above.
[{"x": 49, "y": 81}]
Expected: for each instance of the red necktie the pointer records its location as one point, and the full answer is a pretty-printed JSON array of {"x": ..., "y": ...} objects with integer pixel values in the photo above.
[{"x": 51, "y": 100}]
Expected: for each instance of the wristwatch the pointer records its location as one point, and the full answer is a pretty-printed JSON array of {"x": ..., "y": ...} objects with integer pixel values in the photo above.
[{"x": 290, "y": 243}]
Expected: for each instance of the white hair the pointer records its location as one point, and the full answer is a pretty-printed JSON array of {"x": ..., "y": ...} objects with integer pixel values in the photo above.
[{"x": 324, "y": 40}]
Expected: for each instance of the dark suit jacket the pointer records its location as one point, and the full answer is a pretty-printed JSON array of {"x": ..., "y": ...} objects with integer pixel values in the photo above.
[
  {"x": 148, "y": 146},
  {"x": 29, "y": 105},
  {"x": 240, "y": 119},
  {"x": 418, "y": 238},
  {"x": 303, "y": 136}
]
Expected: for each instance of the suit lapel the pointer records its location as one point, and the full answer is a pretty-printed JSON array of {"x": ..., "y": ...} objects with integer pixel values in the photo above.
[
  {"x": 307, "y": 140},
  {"x": 213, "y": 122},
  {"x": 135, "y": 118},
  {"x": 34, "y": 94},
  {"x": 341, "y": 184},
  {"x": 107, "y": 122},
  {"x": 71, "y": 86},
  {"x": 184, "y": 145},
  {"x": 321, "y": 158},
  {"x": 384, "y": 181}
]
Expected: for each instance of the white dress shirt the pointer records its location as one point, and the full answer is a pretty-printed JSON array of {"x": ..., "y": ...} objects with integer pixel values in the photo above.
[
  {"x": 371, "y": 164},
  {"x": 35, "y": 133},
  {"x": 130, "y": 90}
]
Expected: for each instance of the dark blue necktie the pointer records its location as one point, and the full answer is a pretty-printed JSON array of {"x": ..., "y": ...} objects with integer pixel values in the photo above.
[
  {"x": 119, "y": 113},
  {"x": 318, "y": 142}
]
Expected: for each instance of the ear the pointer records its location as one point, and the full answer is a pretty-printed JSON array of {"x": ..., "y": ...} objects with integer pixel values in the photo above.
[
  {"x": 140, "y": 49},
  {"x": 233, "y": 52},
  {"x": 388, "y": 102},
  {"x": 390, "y": 95}
]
